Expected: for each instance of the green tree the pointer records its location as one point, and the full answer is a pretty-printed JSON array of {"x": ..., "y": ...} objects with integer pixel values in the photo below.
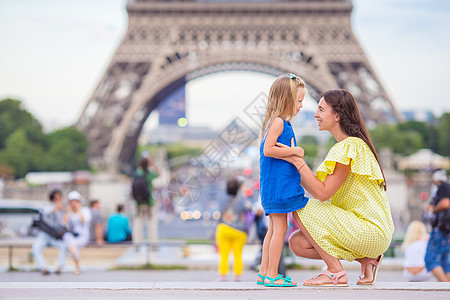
[
  {"x": 426, "y": 131},
  {"x": 443, "y": 133},
  {"x": 67, "y": 150},
  {"x": 404, "y": 142},
  {"x": 21, "y": 154},
  {"x": 14, "y": 116}
]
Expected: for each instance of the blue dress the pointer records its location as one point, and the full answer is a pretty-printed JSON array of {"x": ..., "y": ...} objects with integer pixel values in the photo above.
[{"x": 281, "y": 191}]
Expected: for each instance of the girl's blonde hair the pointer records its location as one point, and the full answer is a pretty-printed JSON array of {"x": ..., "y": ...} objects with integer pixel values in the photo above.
[
  {"x": 281, "y": 102},
  {"x": 416, "y": 231}
]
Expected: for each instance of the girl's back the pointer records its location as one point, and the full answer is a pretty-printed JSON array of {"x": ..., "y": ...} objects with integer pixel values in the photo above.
[{"x": 281, "y": 191}]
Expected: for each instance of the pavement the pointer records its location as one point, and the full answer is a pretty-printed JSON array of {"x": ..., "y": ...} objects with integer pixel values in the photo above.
[
  {"x": 102, "y": 278},
  {"x": 216, "y": 290}
]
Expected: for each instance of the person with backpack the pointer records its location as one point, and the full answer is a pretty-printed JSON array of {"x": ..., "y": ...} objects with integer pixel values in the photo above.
[
  {"x": 52, "y": 215},
  {"x": 437, "y": 256},
  {"x": 142, "y": 189}
]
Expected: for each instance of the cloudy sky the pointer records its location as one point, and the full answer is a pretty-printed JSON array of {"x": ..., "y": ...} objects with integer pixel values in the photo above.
[{"x": 54, "y": 52}]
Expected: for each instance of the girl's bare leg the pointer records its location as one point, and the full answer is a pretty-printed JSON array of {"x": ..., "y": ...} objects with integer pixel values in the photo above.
[
  {"x": 279, "y": 224},
  {"x": 265, "y": 251}
]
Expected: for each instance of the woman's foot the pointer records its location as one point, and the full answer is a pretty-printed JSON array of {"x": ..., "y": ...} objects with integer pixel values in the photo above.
[
  {"x": 326, "y": 278},
  {"x": 369, "y": 269}
]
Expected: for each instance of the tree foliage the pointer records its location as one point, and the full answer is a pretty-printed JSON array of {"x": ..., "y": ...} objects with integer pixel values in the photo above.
[
  {"x": 67, "y": 150},
  {"x": 14, "y": 116},
  {"x": 408, "y": 137},
  {"x": 404, "y": 142},
  {"x": 21, "y": 154},
  {"x": 24, "y": 147},
  {"x": 443, "y": 134}
]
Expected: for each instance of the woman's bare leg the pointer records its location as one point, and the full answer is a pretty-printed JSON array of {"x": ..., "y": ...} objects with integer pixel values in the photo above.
[
  {"x": 333, "y": 264},
  {"x": 299, "y": 244}
]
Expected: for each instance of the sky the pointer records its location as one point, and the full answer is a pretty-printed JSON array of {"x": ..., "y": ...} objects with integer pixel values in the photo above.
[{"x": 53, "y": 54}]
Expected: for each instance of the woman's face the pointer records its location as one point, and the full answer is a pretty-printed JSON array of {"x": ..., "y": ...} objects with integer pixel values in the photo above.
[
  {"x": 74, "y": 204},
  {"x": 327, "y": 119}
]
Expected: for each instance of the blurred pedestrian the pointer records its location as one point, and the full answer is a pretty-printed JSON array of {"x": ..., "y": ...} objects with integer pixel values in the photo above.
[
  {"x": 142, "y": 190},
  {"x": 118, "y": 227},
  {"x": 231, "y": 232},
  {"x": 414, "y": 247},
  {"x": 52, "y": 214},
  {"x": 96, "y": 228},
  {"x": 77, "y": 218},
  {"x": 437, "y": 257}
]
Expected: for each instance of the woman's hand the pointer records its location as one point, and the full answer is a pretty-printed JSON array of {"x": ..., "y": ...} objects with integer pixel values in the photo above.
[
  {"x": 318, "y": 189},
  {"x": 297, "y": 151}
]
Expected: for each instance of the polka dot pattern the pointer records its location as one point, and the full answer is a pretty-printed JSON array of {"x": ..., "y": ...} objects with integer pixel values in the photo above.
[{"x": 356, "y": 222}]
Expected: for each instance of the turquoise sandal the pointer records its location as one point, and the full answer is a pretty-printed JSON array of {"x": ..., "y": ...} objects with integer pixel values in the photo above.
[
  {"x": 260, "y": 282},
  {"x": 286, "y": 282}
]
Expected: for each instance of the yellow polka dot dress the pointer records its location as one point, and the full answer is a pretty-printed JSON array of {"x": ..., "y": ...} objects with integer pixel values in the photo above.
[{"x": 356, "y": 222}]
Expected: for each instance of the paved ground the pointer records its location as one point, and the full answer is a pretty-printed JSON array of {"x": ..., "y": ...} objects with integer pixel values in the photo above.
[
  {"x": 217, "y": 290},
  {"x": 97, "y": 283},
  {"x": 207, "y": 275},
  {"x": 199, "y": 281}
]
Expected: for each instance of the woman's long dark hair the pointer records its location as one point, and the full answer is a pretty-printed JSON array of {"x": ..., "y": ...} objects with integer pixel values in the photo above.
[{"x": 350, "y": 120}]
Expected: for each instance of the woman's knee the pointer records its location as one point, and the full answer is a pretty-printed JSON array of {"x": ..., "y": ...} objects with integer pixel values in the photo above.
[{"x": 296, "y": 242}]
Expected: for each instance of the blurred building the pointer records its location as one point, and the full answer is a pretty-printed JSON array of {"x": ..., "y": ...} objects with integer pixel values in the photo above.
[
  {"x": 419, "y": 115},
  {"x": 173, "y": 108}
]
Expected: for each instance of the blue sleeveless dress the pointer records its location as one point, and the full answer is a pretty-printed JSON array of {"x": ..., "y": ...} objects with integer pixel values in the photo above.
[{"x": 281, "y": 191}]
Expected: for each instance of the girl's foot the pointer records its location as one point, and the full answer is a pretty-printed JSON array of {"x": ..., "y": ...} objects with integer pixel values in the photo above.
[
  {"x": 280, "y": 281},
  {"x": 260, "y": 279},
  {"x": 326, "y": 278}
]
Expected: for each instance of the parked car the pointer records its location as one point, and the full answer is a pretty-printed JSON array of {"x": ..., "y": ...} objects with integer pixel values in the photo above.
[{"x": 16, "y": 217}]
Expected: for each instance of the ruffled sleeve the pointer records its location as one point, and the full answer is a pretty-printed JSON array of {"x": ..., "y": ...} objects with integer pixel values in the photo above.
[{"x": 352, "y": 149}]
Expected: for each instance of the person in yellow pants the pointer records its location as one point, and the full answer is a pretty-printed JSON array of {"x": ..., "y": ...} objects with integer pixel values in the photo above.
[
  {"x": 231, "y": 231},
  {"x": 229, "y": 238}
]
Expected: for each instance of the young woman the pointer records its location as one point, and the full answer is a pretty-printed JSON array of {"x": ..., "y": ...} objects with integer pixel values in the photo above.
[{"x": 356, "y": 222}]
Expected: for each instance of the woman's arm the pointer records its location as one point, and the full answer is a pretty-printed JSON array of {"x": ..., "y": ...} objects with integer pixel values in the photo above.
[
  {"x": 318, "y": 189},
  {"x": 326, "y": 189},
  {"x": 270, "y": 147}
]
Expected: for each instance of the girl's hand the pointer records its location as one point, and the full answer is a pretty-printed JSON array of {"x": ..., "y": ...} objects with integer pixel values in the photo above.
[{"x": 298, "y": 151}]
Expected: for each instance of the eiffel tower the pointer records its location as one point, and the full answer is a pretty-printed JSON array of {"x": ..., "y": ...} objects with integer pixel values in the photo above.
[{"x": 171, "y": 42}]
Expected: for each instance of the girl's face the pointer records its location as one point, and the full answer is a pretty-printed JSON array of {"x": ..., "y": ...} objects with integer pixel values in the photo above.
[
  {"x": 326, "y": 117},
  {"x": 299, "y": 101}
]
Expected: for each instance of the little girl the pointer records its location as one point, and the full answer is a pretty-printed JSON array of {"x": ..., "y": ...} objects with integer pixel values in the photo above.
[
  {"x": 414, "y": 246},
  {"x": 281, "y": 192}
]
